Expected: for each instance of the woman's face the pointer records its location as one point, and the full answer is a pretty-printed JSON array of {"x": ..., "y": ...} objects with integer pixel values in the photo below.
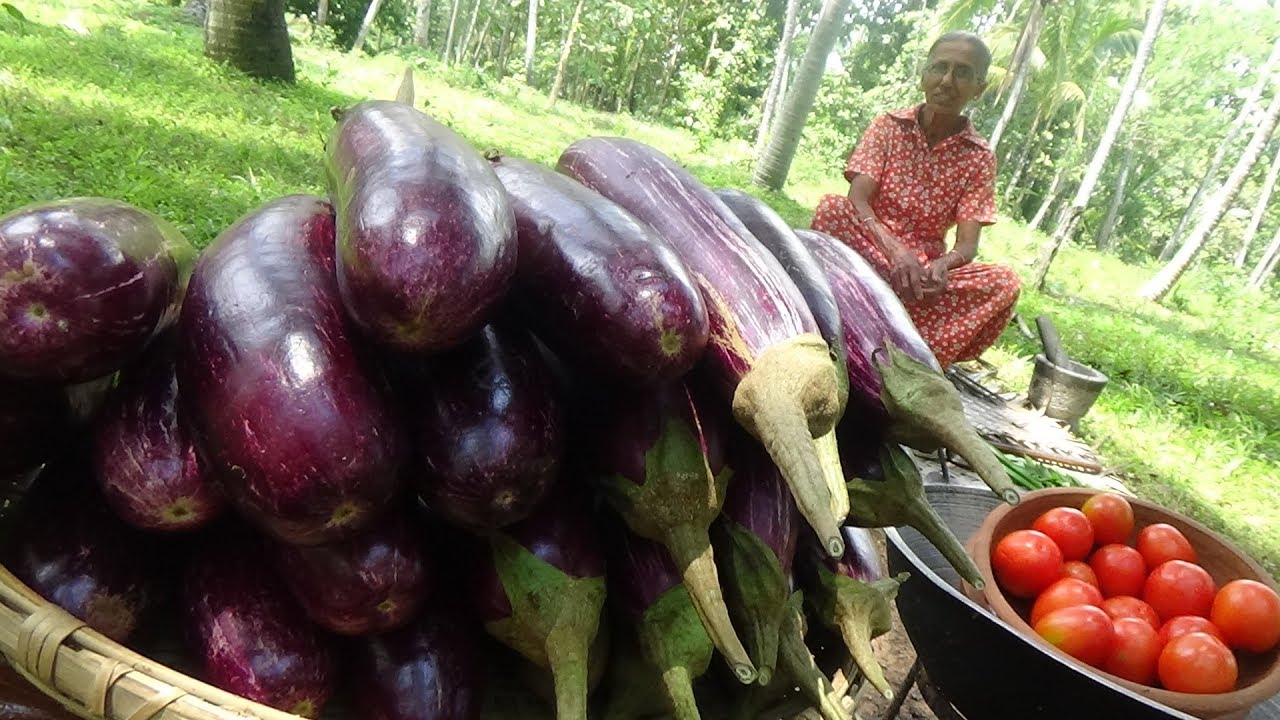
[{"x": 950, "y": 79}]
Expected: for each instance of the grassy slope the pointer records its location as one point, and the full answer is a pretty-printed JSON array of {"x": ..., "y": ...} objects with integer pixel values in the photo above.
[{"x": 112, "y": 97}]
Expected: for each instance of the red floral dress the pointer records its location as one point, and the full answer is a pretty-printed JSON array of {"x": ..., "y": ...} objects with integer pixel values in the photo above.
[{"x": 922, "y": 192}]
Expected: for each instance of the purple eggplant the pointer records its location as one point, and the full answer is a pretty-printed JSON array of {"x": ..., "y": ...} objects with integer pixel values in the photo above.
[
  {"x": 773, "y": 232},
  {"x": 598, "y": 285},
  {"x": 373, "y": 582},
  {"x": 895, "y": 383},
  {"x": 764, "y": 354},
  {"x": 539, "y": 587},
  {"x": 430, "y": 669},
  {"x": 33, "y": 416},
  {"x": 757, "y": 537},
  {"x": 426, "y": 237},
  {"x": 660, "y": 457},
  {"x": 652, "y": 598},
  {"x": 895, "y": 497},
  {"x": 145, "y": 460},
  {"x": 85, "y": 283},
  {"x": 852, "y": 595},
  {"x": 247, "y": 633},
  {"x": 489, "y": 428},
  {"x": 286, "y": 410}
]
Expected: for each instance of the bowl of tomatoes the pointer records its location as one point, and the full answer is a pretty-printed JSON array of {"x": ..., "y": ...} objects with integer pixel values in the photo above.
[{"x": 1144, "y": 596}]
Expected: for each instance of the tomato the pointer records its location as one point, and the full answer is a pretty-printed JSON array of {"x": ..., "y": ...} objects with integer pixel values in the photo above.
[
  {"x": 1178, "y": 588},
  {"x": 1079, "y": 570},
  {"x": 1197, "y": 663},
  {"x": 1120, "y": 570},
  {"x": 1026, "y": 562},
  {"x": 1066, "y": 592},
  {"x": 1161, "y": 542},
  {"x": 1248, "y": 614},
  {"x": 1135, "y": 651},
  {"x": 1127, "y": 606},
  {"x": 1111, "y": 517},
  {"x": 1069, "y": 528},
  {"x": 1176, "y": 627},
  {"x": 1084, "y": 632}
]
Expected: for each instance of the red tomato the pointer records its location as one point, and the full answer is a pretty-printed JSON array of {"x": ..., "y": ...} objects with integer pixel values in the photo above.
[
  {"x": 1084, "y": 632},
  {"x": 1120, "y": 570},
  {"x": 1135, "y": 652},
  {"x": 1161, "y": 542},
  {"x": 1248, "y": 614},
  {"x": 1127, "y": 606},
  {"x": 1176, "y": 627},
  {"x": 1026, "y": 562},
  {"x": 1178, "y": 588},
  {"x": 1069, "y": 528},
  {"x": 1111, "y": 517},
  {"x": 1066, "y": 592},
  {"x": 1079, "y": 570},
  {"x": 1197, "y": 663}
]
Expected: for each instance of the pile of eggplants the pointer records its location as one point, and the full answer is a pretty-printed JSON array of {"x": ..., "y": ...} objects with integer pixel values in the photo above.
[{"x": 591, "y": 428}]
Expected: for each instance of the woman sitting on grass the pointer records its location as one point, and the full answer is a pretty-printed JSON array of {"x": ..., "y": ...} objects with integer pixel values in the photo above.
[{"x": 917, "y": 172}]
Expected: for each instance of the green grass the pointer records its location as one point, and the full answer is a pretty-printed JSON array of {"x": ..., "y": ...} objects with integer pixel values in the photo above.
[{"x": 114, "y": 98}]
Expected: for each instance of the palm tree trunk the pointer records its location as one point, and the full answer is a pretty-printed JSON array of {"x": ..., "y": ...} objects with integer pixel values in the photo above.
[
  {"x": 1159, "y": 286},
  {"x": 772, "y": 169},
  {"x": 1071, "y": 218},
  {"x": 1021, "y": 69},
  {"x": 1024, "y": 158},
  {"x": 504, "y": 46},
  {"x": 322, "y": 12},
  {"x": 564, "y": 52},
  {"x": 363, "y": 34},
  {"x": 1259, "y": 210},
  {"x": 1050, "y": 198},
  {"x": 1267, "y": 263},
  {"x": 781, "y": 56},
  {"x": 1250, "y": 106},
  {"x": 530, "y": 42},
  {"x": 453, "y": 24},
  {"x": 631, "y": 77},
  {"x": 673, "y": 58},
  {"x": 250, "y": 35},
  {"x": 1117, "y": 199},
  {"x": 480, "y": 41},
  {"x": 461, "y": 48},
  {"x": 711, "y": 51},
  {"x": 422, "y": 24}
]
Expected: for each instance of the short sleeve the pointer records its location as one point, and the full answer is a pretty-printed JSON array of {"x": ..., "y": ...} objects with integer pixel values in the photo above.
[
  {"x": 978, "y": 204},
  {"x": 872, "y": 153}
]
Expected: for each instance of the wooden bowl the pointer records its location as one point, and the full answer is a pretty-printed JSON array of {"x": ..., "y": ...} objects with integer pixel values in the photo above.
[{"x": 1259, "y": 677}]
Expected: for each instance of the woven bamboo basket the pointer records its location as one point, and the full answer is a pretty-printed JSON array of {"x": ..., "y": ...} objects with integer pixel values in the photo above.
[{"x": 94, "y": 677}]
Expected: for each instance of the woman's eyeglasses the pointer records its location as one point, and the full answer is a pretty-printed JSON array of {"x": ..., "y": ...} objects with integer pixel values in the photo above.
[{"x": 959, "y": 73}]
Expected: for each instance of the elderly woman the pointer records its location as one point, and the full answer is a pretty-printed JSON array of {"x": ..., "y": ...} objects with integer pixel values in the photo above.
[{"x": 917, "y": 172}]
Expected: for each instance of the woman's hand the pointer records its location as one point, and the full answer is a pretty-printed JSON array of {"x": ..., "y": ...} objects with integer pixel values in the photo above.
[
  {"x": 906, "y": 274},
  {"x": 935, "y": 277}
]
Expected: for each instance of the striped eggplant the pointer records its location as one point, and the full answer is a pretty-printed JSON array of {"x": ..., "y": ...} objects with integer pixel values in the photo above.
[
  {"x": 598, "y": 285},
  {"x": 661, "y": 465},
  {"x": 895, "y": 382},
  {"x": 765, "y": 353}
]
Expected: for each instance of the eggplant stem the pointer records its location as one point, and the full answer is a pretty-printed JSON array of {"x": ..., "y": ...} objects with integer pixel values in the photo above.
[
  {"x": 567, "y": 655},
  {"x": 797, "y": 662},
  {"x": 833, "y": 474},
  {"x": 690, "y": 547},
  {"x": 680, "y": 692},
  {"x": 858, "y": 639},
  {"x": 926, "y": 520}
]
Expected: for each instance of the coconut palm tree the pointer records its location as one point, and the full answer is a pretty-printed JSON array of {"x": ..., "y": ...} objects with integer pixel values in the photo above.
[{"x": 250, "y": 35}]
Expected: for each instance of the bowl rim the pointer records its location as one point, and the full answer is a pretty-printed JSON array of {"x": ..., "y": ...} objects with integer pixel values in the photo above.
[
  {"x": 1065, "y": 661},
  {"x": 1248, "y": 696}
]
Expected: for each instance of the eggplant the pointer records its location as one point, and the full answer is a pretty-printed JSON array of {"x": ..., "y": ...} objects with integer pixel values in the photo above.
[
  {"x": 598, "y": 285},
  {"x": 630, "y": 676},
  {"x": 756, "y": 538},
  {"x": 852, "y": 595},
  {"x": 539, "y": 586},
  {"x": 764, "y": 353},
  {"x": 894, "y": 496},
  {"x": 33, "y": 415},
  {"x": 70, "y": 549},
  {"x": 287, "y": 411},
  {"x": 772, "y": 231},
  {"x": 426, "y": 238},
  {"x": 245, "y": 630},
  {"x": 653, "y": 599},
  {"x": 895, "y": 382},
  {"x": 430, "y": 669},
  {"x": 488, "y": 429},
  {"x": 662, "y": 467},
  {"x": 85, "y": 284},
  {"x": 373, "y": 582},
  {"x": 145, "y": 459}
]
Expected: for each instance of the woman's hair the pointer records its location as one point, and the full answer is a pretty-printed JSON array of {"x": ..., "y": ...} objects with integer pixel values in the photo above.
[{"x": 980, "y": 47}]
